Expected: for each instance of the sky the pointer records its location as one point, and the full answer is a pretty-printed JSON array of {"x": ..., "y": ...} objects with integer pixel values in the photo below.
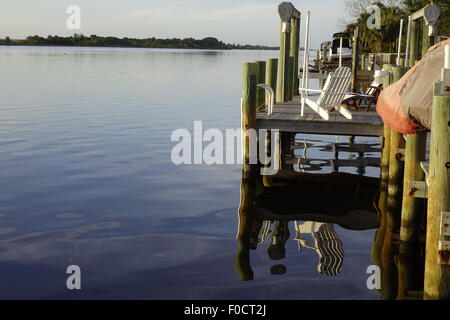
[{"x": 232, "y": 21}]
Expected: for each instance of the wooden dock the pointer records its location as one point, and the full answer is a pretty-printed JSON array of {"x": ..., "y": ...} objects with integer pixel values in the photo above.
[
  {"x": 286, "y": 118},
  {"x": 414, "y": 183}
]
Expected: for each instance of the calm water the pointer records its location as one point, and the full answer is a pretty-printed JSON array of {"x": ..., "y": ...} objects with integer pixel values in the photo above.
[{"x": 86, "y": 179}]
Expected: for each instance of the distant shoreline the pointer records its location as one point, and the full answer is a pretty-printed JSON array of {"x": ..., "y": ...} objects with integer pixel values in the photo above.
[
  {"x": 79, "y": 40},
  {"x": 131, "y": 47}
]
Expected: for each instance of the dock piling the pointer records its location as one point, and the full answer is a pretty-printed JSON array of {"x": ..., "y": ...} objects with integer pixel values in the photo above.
[
  {"x": 295, "y": 48},
  {"x": 248, "y": 110},
  {"x": 260, "y": 78},
  {"x": 437, "y": 275},
  {"x": 412, "y": 207},
  {"x": 271, "y": 76}
]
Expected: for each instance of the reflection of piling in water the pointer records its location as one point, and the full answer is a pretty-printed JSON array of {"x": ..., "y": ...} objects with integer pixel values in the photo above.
[
  {"x": 248, "y": 193},
  {"x": 410, "y": 264},
  {"x": 280, "y": 235}
]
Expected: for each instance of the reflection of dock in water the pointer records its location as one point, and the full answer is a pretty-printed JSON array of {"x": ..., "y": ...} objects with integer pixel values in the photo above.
[
  {"x": 327, "y": 245},
  {"x": 269, "y": 204}
]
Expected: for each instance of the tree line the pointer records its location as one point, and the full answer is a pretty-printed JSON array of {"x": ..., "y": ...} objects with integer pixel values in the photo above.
[
  {"x": 98, "y": 41},
  {"x": 392, "y": 11}
]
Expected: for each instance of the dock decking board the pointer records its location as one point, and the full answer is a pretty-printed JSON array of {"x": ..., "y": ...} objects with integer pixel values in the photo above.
[{"x": 286, "y": 118}]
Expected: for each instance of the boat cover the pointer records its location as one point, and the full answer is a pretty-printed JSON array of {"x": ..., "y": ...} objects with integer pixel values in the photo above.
[{"x": 405, "y": 106}]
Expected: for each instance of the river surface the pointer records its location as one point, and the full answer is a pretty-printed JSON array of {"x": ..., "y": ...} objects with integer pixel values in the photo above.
[{"x": 86, "y": 179}]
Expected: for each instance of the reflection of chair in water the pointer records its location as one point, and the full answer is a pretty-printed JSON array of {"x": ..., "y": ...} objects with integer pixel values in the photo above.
[{"x": 326, "y": 243}]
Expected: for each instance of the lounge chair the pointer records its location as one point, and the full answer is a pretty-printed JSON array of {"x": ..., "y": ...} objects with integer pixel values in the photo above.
[
  {"x": 331, "y": 96},
  {"x": 370, "y": 97}
]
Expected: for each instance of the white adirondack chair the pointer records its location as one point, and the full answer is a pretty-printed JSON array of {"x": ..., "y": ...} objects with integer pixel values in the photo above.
[{"x": 331, "y": 96}]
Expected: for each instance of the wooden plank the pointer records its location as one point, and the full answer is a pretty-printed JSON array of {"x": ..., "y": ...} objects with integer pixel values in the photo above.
[
  {"x": 418, "y": 189},
  {"x": 322, "y": 127}
]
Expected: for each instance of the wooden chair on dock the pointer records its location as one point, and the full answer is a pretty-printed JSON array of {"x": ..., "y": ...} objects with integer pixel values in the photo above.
[
  {"x": 370, "y": 97},
  {"x": 331, "y": 96}
]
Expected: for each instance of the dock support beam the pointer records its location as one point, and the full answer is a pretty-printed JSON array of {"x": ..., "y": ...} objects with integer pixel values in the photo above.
[
  {"x": 295, "y": 48},
  {"x": 288, "y": 15},
  {"x": 412, "y": 45},
  {"x": 248, "y": 111},
  {"x": 412, "y": 208},
  {"x": 260, "y": 78},
  {"x": 437, "y": 275},
  {"x": 271, "y": 76}
]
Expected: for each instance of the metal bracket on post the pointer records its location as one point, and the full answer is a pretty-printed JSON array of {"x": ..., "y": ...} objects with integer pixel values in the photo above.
[
  {"x": 444, "y": 246},
  {"x": 418, "y": 189},
  {"x": 286, "y": 28},
  {"x": 445, "y": 78},
  {"x": 445, "y": 224}
]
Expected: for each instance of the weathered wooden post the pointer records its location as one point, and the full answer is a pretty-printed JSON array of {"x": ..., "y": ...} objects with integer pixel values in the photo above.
[
  {"x": 408, "y": 42},
  {"x": 290, "y": 82},
  {"x": 286, "y": 11},
  {"x": 437, "y": 259},
  {"x": 412, "y": 44},
  {"x": 397, "y": 143},
  {"x": 412, "y": 207},
  {"x": 389, "y": 176},
  {"x": 248, "y": 110},
  {"x": 399, "y": 51},
  {"x": 385, "y": 156},
  {"x": 425, "y": 39},
  {"x": 355, "y": 58},
  {"x": 260, "y": 78},
  {"x": 271, "y": 76},
  {"x": 295, "y": 48}
]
